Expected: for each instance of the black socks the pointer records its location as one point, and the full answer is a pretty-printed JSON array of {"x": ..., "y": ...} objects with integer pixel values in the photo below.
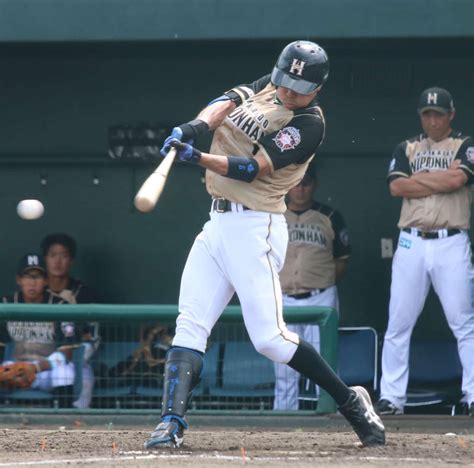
[{"x": 311, "y": 365}]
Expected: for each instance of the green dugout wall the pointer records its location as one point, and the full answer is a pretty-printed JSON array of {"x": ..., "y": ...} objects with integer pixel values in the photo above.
[
  {"x": 58, "y": 98},
  {"x": 57, "y": 20}
]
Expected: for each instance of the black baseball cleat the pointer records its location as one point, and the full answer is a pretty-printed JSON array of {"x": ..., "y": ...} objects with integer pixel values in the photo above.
[
  {"x": 169, "y": 433},
  {"x": 386, "y": 407},
  {"x": 361, "y": 414}
]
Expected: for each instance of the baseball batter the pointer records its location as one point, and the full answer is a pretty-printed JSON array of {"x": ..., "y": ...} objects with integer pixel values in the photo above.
[
  {"x": 266, "y": 133},
  {"x": 318, "y": 250},
  {"x": 433, "y": 172}
]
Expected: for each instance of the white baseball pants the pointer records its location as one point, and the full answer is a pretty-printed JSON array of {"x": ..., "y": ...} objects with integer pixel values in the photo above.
[
  {"x": 240, "y": 251},
  {"x": 446, "y": 264}
]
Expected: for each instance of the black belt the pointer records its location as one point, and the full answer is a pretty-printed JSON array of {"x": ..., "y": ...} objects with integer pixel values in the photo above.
[
  {"x": 432, "y": 234},
  {"x": 305, "y": 295},
  {"x": 221, "y": 205}
]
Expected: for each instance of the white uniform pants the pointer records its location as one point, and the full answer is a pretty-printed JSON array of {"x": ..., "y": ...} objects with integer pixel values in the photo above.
[
  {"x": 60, "y": 375},
  {"x": 88, "y": 380},
  {"x": 446, "y": 264},
  {"x": 240, "y": 251},
  {"x": 286, "y": 378}
]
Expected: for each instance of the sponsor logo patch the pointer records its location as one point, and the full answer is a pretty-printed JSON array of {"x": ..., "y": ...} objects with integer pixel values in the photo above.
[
  {"x": 392, "y": 165},
  {"x": 405, "y": 243},
  {"x": 470, "y": 154},
  {"x": 287, "y": 138}
]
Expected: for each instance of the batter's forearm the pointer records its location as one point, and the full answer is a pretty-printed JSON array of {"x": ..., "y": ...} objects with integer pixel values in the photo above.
[
  {"x": 215, "y": 113},
  {"x": 215, "y": 163}
]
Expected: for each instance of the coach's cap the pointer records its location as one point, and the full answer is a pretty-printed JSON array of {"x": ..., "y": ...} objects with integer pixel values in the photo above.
[
  {"x": 437, "y": 99},
  {"x": 31, "y": 261}
]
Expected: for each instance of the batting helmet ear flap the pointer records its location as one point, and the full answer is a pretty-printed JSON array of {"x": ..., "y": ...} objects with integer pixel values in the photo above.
[{"x": 302, "y": 66}]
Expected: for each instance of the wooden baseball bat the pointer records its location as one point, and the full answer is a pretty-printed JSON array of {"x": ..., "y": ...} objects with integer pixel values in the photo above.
[{"x": 150, "y": 191}]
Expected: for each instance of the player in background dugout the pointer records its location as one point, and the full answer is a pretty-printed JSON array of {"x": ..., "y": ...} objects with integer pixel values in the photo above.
[
  {"x": 45, "y": 344},
  {"x": 433, "y": 173},
  {"x": 59, "y": 250},
  {"x": 265, "y": 135},
  {"x": 318, "y": 249}
]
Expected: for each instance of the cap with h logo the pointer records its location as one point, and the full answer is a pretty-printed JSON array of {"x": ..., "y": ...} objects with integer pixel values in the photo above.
[
  {"x": 31, "y": 261},
  {"x": 437, "y": 99}
]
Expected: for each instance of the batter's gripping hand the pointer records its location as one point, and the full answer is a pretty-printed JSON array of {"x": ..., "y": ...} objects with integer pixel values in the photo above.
[
  {"x": 17, "y": 375},
  {"x": 186, "y": 152},
  {"x": 176, "y": 134}
]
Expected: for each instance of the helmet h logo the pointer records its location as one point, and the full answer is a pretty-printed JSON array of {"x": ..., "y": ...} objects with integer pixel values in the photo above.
[
  {"x": 432, "y": 98},
  {"x": 297, "y": 67}
]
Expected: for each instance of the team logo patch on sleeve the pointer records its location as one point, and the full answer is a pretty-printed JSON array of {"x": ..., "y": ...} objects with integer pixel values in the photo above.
[
  {"x": 287, "y": 138},
  {"x": 470, "y": 154},
  {"x": 344, "y": 236}
]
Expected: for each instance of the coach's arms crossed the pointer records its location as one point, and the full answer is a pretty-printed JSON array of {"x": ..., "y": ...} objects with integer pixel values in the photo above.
[{"x": 424, "y": 184}]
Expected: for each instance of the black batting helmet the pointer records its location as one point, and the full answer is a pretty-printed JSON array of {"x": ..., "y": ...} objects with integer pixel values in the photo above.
[{"x": 302, "y": 66}]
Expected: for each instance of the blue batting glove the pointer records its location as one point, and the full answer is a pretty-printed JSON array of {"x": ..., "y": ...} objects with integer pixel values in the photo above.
[
  {"x": 186, "y": 152},
  {"x": 176, "y": 134}
]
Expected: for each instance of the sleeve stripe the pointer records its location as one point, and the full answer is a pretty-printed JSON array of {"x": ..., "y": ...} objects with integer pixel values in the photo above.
[
  {"x": 244, "y": 92},
  {"x": 239, "y": 93},
  {"x": 397, "y": 173},
  {"x": 247, "y": 90},
  {"x": 466, "y": 168}
]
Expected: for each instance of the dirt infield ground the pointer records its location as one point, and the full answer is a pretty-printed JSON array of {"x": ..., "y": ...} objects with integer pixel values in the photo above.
[{"x": 416, "y": 442}]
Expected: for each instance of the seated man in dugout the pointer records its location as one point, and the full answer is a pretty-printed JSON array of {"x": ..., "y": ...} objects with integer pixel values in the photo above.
[
  {"x": 59, "y": 250},
  {"x": 44, "y": 348}
]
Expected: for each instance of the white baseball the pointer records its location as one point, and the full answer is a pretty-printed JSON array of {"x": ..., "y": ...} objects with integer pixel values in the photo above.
[{"x": 30, "y": 209}]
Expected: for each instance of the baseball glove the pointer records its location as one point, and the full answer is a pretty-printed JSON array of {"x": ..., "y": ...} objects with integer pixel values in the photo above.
[{"x": 17, "y": 375}]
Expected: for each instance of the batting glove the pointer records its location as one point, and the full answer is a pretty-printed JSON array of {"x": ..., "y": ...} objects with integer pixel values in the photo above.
[
  {"x": 176, "y": 134},
  {"x": 186, "y": 152}
]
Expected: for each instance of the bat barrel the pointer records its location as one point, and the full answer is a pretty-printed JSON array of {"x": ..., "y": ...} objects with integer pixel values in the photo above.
[{"x": 150, "y": 192}]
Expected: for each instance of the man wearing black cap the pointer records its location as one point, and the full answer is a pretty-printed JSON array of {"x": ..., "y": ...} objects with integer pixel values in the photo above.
[
  {"x": 433, "y": 173},
  {"x": 31, "y": 278},
  {"x": 318, "y": 249},
  {"x": 37, "y": 342}
]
